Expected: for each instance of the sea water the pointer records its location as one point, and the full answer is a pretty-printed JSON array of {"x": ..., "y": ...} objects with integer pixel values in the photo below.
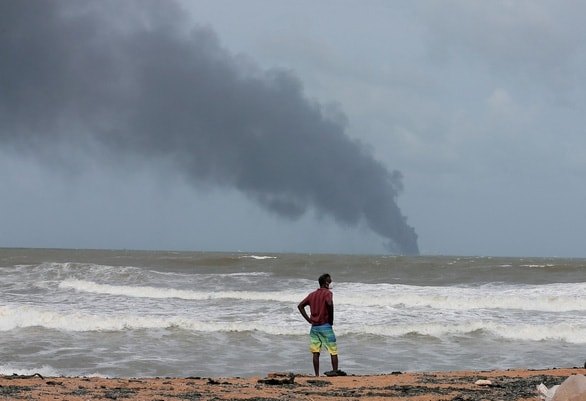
[{"x": 179, "y": 314}]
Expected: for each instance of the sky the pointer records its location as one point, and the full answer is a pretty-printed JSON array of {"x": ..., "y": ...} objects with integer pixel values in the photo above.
[{"x": 385, "y": 127}]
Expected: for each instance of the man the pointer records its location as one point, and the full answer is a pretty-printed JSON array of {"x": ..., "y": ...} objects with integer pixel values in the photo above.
[{"x": 321, "y": 306}]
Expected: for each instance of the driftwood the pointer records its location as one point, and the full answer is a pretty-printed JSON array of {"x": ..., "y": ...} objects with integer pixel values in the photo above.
[{"x": 15, "y": 376}]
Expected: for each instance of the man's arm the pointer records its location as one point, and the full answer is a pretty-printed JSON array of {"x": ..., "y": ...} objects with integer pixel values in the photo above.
[
  {"x": 301, "y": 308},
  {"x": 330, "y": 306}
]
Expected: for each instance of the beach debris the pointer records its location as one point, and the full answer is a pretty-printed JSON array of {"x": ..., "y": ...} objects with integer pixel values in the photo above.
[
  {"x": 483, "y": 382},
  {"x": 571, "y": 389},
  {"x": 546, "y": 394},
  {"x": 319, "y": 383},
  {"x": 13, "y": 391},
  {"x": 216, "y": 382},
  {"x": 280, "y": 374},
  {"x": 278, "y": 378},
  {"x": 15, "y": 376},
  {"x": 120, "y": 392}
]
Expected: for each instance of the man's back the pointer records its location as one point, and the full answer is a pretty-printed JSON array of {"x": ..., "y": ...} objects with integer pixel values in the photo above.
[{"x": 320, "y": 302}]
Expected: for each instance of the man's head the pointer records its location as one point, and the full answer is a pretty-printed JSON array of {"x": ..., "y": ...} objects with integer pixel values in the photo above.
[{"x": 324, "y": 280}]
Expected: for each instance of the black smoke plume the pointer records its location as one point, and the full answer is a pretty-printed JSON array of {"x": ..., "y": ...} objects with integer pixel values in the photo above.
[{"x": 137, "y": 79}]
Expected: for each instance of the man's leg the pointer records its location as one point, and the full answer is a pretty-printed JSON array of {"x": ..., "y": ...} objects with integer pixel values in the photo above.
[
  {"x": 335, "y": 363},
  {"x": 316, "y": 363}
]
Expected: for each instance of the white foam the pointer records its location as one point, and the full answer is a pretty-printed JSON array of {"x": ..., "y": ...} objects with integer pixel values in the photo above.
[
  {"x": 548, "y": 298},
  {"x": 27, "y": 316},
  {"x": 258, "y": 257},
  {"x": 47, "y": 371},
  {"x": 160, "y": 292},
  {"x": 522, "y": 332}
]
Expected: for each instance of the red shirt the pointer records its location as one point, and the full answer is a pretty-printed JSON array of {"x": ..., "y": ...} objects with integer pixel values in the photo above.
[{"x": 317, "y": 305}]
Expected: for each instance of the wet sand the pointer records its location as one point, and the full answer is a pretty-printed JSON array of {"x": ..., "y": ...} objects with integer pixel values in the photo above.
[{"x": 516, "y": 384}]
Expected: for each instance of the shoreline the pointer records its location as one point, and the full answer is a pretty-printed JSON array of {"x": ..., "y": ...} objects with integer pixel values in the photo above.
[{"x": 513, "y": 384}]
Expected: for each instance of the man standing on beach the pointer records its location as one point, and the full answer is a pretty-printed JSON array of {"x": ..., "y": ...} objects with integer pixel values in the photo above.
[{"x": 321, "y": 306}]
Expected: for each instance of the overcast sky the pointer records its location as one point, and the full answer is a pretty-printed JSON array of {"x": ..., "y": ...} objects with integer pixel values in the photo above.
[{"x": 451, "y": 127}]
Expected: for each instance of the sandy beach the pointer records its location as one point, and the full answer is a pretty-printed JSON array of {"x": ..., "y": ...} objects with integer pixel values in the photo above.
[{"x": 464, "y": 385}]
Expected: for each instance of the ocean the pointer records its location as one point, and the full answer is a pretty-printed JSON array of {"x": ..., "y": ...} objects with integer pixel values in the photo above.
[{"x": 120, "y": 313}]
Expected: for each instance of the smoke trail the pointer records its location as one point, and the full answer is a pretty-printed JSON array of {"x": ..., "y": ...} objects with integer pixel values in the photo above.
[{"x": 137, "y": 81}]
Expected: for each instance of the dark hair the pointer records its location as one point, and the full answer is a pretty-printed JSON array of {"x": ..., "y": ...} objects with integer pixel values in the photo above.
[{"x": 322, "y": 279}]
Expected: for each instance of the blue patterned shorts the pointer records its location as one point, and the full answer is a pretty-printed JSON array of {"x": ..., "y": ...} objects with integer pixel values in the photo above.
[{"x": 323, "y": 335}]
